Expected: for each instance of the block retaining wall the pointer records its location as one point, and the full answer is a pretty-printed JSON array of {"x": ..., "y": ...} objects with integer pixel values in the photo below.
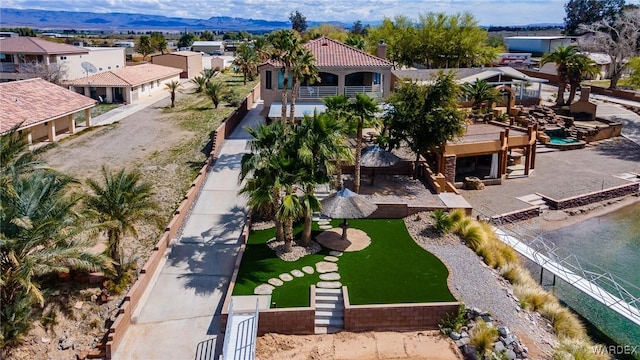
[{"x": 592, "y": 197}]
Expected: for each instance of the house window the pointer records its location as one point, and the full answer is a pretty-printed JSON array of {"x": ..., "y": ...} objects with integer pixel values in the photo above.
[
  {"x": 63, "y": 58},
  {"x": 269, "y": 80},
  {"x": 142, "y": 87},
  {"x": 109, "y": 68},
  {"x": 281, "y": 80}
]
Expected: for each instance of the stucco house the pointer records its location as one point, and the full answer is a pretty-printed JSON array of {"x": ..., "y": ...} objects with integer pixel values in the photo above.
[
  {"x": 126, "y": 85},
  {"x": 27, "y": 57},
  {"x": 42, "y": 110},
  {"x": 342, "y": 70},
  {"x": 537, "y": 45},
  {"x": 189, "y": 61}
]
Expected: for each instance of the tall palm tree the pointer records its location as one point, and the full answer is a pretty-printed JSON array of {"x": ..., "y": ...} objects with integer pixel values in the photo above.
[
  {"x": 201, "y": 84},
  {"x": 580, "y": 66},
  {"x": 562, "y": 57},
  {"x": 356, "y": 41},
  {"x": 338, "y": 107},
  {"x": 214, "y": 91},
  {"x": 285, "y": 45},
  {"x": 363, "y": 109},
  {"x": 481, "y": 93},
  {"x": 119, "y": 203},
  {"x": 319, "y": 141},
  {"x": 172, "y": 87},
  {"x": 247, "y": 61},
  {"x": 304, "y": 70}
]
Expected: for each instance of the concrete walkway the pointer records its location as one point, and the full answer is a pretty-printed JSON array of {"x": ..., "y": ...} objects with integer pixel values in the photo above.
[{"x": 179, "y": 318}]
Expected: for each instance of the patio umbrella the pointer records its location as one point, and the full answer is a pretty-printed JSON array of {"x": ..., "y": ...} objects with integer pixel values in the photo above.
[
  {"x": 375, "y": 156},
  {"x": 345, "y": 204}
]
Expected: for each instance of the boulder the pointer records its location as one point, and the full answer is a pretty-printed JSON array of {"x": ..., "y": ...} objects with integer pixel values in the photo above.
[
  {"x": 503, "y": 331},
  {"x": 499, "y": 346},
  {"x": 455, "y": 336},
  {"x": 473, "y": 183},
  {"x": 468, "y": 352},
  {"x": 510, "y": 355},
  {"x": 65, "y": 344}
]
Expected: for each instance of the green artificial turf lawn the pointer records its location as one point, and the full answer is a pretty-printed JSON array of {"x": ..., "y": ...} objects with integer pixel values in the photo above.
[{"x": 393, "y": 269}]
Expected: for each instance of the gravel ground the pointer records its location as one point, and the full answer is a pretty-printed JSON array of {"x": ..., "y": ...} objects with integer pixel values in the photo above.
[
  {"x": 479, "y": 286},
  {"x": 396, "y": 189}
]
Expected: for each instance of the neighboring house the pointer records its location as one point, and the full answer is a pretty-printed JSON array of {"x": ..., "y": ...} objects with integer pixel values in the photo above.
[
  {"x": 189, "y": 61},
  {"x": 6, "y": 34},
  {"x": 603, "y": 61},
  {"x": 125, "y": 85},
  {"x": 27, "y": 57},
  {"x": 42, "y": 110},
  {"x": 221, "y": 62},
  {"x": 209, "y": 47},
  {"x": 537, "y": 45},
  {"x": 525, "y": 89},
  {"x": 342, "y": 70}
]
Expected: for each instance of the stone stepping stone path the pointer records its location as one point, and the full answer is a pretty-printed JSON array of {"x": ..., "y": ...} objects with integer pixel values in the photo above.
[
  {"x": 331, "y": 258},
  {"x": 330, "y": 276},
  {"x": 325, "y": 227},
  {"x": 326, "y": 267},
  {"x": 297, "y": 273},
  {"x": 263, "y": 289},
  {"x": 285, "y": 277},
  {"x": 335, "y": 253},
  {"x": 324, "y": 222},
  {"x": 308, "y": 270},
  {"x": 329, "y": 284},
  {"x": 275, "y": 282}
]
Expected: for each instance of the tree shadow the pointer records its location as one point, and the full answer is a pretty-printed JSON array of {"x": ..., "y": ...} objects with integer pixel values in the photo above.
[
  {"x": 228, "y": 161},
  {"x": 620, "y": 148}
]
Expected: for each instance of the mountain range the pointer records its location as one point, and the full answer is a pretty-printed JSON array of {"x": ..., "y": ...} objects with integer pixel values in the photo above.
[{"x": 59, "y": 20}]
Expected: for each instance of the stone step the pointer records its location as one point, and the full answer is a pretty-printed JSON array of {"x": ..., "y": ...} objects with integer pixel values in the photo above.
[
  {"x": 329, "y": 314},
  {"x": 328, "y": 299},
  {"x": 329, "y": 305},
  {"x": 538, "y": 202},
  {"x": 327, "y": 329},
  {"x": 334, "y": 322},
  {"x": 323, "y": 291}
]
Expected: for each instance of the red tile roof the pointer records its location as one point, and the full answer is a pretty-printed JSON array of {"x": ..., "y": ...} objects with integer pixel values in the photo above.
[
  {"x": 128, "y": 76},
  {"x": 33, "y": 45},
  {"x": 35, "y": 100},
  {"x": 332, "y": 53}
]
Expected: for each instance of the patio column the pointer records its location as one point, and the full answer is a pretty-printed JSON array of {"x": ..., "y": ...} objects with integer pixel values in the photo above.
[
  {"x": 51, "y": 130},
  {"x": 87, "y": 91},
  {"x": 29, "y": 138},
  {"x": 450, "y": 168},
  {"x": 527, "y": 158},
  {"x": 341, "y": 82},
  {"x": 109, "y": 91},
  {"x": 533, "y": 156},
  {"x": 87, "y": 117},
  {"x": 72, "y": 124}
]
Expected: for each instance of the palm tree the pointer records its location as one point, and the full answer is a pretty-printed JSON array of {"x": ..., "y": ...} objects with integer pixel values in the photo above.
[
  {"x": 119, "y": 204},
  {"x": 285, "y": 45},
  {"x": 338, "y": 107},
  {"x": 265, "y": 184},
  {"x": 356, "y": 41},
  {"x": 214, "y": 91},
  {"x": 209, "y": 73},
  {"x": 580, "y": 66},
  {"x": 201, "y": 83},
  {"x": 319, "y": 141},
  {"x": 172, "y": 87},
  {"x": 39, "y": 222},
  {"x": 247, "y": 61},
  {"x": 304, "y": 70},
  {"x": 562, "y": 57},
  {"x": 363, "y": 109},
  {"x": 481, "y": 93}
]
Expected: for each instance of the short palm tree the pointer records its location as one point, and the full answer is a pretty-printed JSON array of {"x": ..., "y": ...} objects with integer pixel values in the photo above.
[
  {"x": 209, "y": 73},
  {"x": 118, "y": 204},
  {"x": 214, "y": 91},
  {"x": 356, "y": 41},
  {"x": 172, "y": 87},
  {"x": 201, "y": 84},
  {"x": 481, "y": 93},
  {"x": 247, "y": 62},
  {"x": 562, "y": 57}
]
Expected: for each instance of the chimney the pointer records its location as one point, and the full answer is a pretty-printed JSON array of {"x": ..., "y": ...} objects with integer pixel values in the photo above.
[
  {"x": 584, "y": 93},
  {"x": 381, "y": 51}
]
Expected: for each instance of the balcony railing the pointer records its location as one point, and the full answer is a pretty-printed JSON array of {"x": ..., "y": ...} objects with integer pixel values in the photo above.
[
  {"x": 316, "y": 92},
  {"x": 8, "y": 68},
  {"x": 374, "y": 91}
]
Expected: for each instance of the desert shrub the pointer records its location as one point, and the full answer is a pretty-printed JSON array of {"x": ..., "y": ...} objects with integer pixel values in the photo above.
[
  {"x": 461, "y": 224},
  {"x": 567, "y": 324},
  {"x": 514, "y": 273},
  {"x": 532, "y": 297},
  {"x": 454, "y": 321},
  {"x": 577, "y": 349},
  {"x": 442, "y": 222},
  {"x": 119, "y": 282},
  {"x": 232, "y": 98},
  {"x": 457, "y": 215},
  {"x": 473, "y": 235},
  {"x": 482, "y": 337}
]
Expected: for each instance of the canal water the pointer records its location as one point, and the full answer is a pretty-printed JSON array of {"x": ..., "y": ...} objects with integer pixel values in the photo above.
[{"x": 611, "y": 243}]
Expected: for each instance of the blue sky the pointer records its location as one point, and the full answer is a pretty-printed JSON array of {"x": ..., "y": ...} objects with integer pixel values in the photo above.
[{"x": 488, "y": 12}]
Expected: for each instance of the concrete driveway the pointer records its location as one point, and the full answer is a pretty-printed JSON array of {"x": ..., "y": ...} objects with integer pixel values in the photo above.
[{"x": 179, "y": 318}]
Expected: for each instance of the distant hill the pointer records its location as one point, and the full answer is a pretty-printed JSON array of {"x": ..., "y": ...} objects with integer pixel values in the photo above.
[{"x": 44, "y": 19}]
